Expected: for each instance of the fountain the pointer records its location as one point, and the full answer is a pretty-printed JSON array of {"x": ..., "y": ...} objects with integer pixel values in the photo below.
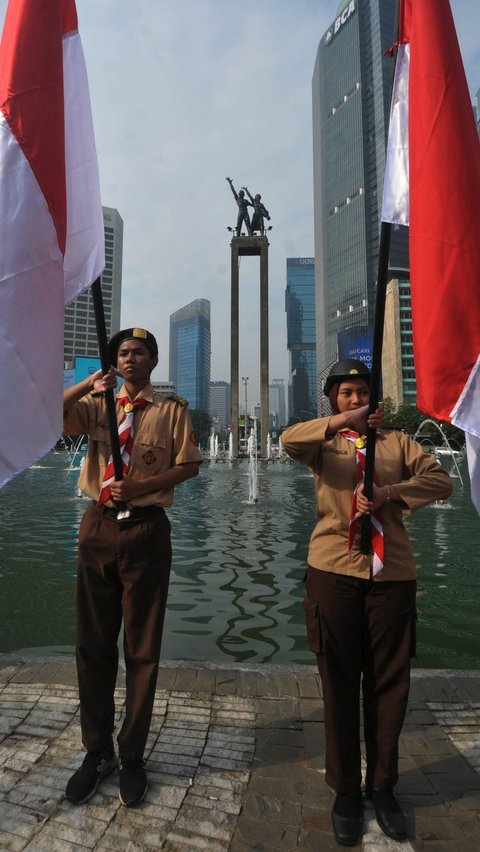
[
  {"x": 446, "y": 449},
  {"x": 230, "y": 446},
  {"x": 74, "y": 451},
  {"x": 252, "y": 465},
  {"x": 211, "y": 445},
  {"x": 269, "y": 447}
]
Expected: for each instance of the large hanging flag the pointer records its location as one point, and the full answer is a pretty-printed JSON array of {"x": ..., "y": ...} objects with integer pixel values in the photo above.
[
  {"x": 51, "y": 222},
  {"x": 432, "y": 184}
]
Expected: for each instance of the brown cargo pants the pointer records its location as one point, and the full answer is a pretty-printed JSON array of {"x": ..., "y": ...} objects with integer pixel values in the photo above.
[{"x": 363, "y": 634}]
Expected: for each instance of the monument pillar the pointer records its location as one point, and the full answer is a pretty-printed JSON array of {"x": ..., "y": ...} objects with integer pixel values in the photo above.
[{"x": 244, "y": 246}]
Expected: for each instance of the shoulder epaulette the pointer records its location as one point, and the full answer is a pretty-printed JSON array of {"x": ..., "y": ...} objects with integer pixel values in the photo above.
[{"x": 175, "y": 398}]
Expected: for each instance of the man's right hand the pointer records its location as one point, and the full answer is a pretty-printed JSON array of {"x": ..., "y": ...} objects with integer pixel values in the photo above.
[{"x": 102, "y": 382}]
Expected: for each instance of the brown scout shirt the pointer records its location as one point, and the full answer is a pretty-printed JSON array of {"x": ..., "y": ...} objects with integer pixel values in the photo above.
[
  {"x": 163, "y": 438},
  {"x": 399, "y": 461}
]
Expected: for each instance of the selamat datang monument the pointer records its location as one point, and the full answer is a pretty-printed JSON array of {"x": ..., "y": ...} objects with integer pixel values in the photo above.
[{"x": 254, "y": 244}]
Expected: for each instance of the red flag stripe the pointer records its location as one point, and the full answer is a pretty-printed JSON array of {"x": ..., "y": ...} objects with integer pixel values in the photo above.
[
  {"x": 444, "y": 197},
  {"x": 31, "y": 97}
]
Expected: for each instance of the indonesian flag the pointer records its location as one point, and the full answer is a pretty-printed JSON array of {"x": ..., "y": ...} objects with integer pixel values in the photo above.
[
  {"x": 432, "y": 184},
  {"x": 51, "y": 222}
]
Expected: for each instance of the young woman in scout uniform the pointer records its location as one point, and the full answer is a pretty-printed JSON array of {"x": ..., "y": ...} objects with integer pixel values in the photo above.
[{"x": 360, "y": 609}]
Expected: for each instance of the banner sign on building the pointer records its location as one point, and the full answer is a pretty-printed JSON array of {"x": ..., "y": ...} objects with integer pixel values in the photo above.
[
  {"x": 68, "y": 378},
  {"x": 356, "y": 343},
  {"x": 85, "y": 366}
]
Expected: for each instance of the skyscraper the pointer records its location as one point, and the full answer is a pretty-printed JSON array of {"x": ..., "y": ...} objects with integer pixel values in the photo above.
[
  {"x": 220, "y": 404},
  {"x": 300, "y": 309},
  {"x": 276, "y": 414},
  {"x": 351, "y": 90},
  {"x": 190, "y": 353},
  {"x": 80, "y": 334}
]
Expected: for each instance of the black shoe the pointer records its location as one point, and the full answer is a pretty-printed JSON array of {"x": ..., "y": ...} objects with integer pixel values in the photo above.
[
  {"x": 133, "y": 782},
  {"x": 83, "y": 784},
  {"x": 389, "y": 814},
  {"x": 347, "y": 818}
]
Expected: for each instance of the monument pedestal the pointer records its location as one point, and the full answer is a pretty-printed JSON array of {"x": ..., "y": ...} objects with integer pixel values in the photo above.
[{"x": 249, "y": 246}]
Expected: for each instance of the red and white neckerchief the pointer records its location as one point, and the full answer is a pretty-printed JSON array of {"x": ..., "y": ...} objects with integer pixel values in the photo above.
[
  {"x": 125, "y": 437},
  {"x": 376, "y": 517}
]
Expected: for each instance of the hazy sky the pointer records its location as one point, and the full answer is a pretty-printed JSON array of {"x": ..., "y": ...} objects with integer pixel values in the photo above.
[{"x": 183, "y": 94}]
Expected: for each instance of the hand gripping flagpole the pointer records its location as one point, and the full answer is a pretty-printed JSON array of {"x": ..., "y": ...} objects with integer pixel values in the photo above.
[
  {"x": 109, "y": 397},
  {"x": 376, "y": 372}
]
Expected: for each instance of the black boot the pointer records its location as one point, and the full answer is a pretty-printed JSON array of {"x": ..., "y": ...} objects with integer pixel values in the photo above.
[{"x": 347, "y": 818}]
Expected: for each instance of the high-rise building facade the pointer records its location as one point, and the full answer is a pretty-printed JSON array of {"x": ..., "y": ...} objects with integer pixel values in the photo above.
[
  {"x": 220, "y": 405},
  {"x": 80, "y": 331},
  {"x": 190, "y": 353},
  {"x": 277, "y": 418},
  {"x": 351, "y": 91},
  {"x": 301, "y": 336}
]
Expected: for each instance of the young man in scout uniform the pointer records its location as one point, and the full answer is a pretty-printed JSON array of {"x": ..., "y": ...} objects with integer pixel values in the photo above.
[{"x": 124, "y": 557}]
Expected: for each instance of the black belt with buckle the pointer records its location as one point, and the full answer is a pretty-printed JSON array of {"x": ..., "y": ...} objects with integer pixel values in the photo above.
[{"x": 125, "y": 516}]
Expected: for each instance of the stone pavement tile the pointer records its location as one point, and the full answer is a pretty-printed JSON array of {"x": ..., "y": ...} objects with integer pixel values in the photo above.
[
  {"x": 226, "y": 682},
  {"x": 431, "y": 688},
  {"x": 205, "y": 681},
  {"x": 19, "y": 821},
  {"x": 463, "y": 845},
  {"x": 436, "y": 828},
  {"x": 268, "y": 685},
  {"x": 166, "y": 678},
  {"x": 181, "y": 840},
  {"x": 309, "y": 686},
  {"x": 216, "y": 824},
  {"x": 429, "y": 742},
  {"x": 259, "y": 835},
  {"x": 7, "y": 669},
  {"x": 247, "y": 683},
  {"x": 185, "y": 680},
  {"x": 311, "y": 710}
]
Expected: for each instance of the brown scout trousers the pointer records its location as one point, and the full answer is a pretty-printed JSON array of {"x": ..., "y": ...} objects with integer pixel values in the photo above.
[
  {"x": 123, "y": 574},
  {"x": 361, "y": 628}
]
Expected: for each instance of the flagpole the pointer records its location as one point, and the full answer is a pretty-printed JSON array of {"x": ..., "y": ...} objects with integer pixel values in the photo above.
[
  {"x": 376, "y": 375},
  {"x": 376, "y": 372},
  {"x": 105, "y": 362}
]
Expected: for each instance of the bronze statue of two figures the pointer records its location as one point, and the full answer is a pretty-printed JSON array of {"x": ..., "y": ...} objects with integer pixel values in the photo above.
[{"x": 260, "y": 212}]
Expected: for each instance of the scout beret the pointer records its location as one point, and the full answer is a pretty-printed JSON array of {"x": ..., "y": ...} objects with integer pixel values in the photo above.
[{"x": 131, "y": 334}]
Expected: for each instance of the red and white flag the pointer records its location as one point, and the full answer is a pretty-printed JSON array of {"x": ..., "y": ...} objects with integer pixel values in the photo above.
[
  {"x": 51, "y": 222},
  {"x": 432, "y": 184}
]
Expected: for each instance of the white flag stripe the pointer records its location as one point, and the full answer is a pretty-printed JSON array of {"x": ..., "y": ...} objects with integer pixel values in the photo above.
[
  {"x": 31, "y": 292},
  {"x": 396, "y": 202},
  {"x": 84, "y": 253},
  {"x": 465, "y": 414}
]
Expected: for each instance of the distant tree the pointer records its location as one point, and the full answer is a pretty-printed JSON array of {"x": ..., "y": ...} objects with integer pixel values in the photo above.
[
  {"x": 202, "y": 424},
  {"x": 407, "y": 416}
]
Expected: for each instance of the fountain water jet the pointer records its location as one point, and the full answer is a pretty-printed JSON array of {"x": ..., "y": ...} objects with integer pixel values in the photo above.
[
  {"x": 252, "y": 465},
  {"x": 445, "y": 441}
]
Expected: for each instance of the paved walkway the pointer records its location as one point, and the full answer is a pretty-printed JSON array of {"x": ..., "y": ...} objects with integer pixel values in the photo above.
[{"x": 235, "y": 762}]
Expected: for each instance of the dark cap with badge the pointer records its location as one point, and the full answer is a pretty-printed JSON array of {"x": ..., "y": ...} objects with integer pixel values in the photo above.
[
  {"x": 341, "y": 371},
  {"x": 131, "y": 334}
]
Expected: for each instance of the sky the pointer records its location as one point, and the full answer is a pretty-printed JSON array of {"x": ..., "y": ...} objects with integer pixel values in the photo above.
[{"x": 183, "y": 95}]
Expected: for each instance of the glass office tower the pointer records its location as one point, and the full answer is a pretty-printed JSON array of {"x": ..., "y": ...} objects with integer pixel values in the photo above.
[
  {"x": 190, "y": 353},
  {"x": 351, "y": 91},
  {"x": 300, "y": 309}
]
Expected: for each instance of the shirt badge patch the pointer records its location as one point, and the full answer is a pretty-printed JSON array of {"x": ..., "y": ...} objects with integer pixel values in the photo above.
[
  {"x": 193, "y": 439},
  {"x": 149, "y": 457}
]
